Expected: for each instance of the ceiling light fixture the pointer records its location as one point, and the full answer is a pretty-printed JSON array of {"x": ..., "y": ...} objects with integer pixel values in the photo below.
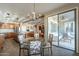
[{"x": 34, "y": 16}]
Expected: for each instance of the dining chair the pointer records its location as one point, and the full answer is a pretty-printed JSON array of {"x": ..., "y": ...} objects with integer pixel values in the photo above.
[
  {"x": 22, "y": 44},
  {"x": 22, "y": 49},
  {"x": 48, "y": 44},
  {"x": 35, "y": 47}
]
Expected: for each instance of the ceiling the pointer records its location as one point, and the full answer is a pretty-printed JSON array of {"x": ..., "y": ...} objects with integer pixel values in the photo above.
[{"x": 23, "y": 9}]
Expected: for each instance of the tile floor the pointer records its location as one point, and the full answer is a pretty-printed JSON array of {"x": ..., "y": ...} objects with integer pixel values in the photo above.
[{"x": 11, "y": 48}]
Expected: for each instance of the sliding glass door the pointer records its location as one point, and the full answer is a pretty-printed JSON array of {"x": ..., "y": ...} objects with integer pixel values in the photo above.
[
  {"x": 67, "y": 30},
  {"x": 53, "y": 28},
  {"x": 62, "y": 26}
]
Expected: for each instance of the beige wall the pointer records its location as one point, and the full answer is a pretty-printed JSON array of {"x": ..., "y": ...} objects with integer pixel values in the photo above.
[{"x": 62, "y": 9}]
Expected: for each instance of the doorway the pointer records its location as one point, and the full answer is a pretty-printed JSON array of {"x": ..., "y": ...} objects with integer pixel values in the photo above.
[{"x": 63, "y": 27}]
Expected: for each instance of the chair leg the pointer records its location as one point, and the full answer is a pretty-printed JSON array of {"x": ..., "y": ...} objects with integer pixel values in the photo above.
[
  {"x": 20, "y": 52},
  {"x": 23, "y": 52},
  {"x": 48, "y": 50},
  {"x": 43, "y": 51},
  {"x": 28, "y": 52},
  {"x": 51, "y": 50}
]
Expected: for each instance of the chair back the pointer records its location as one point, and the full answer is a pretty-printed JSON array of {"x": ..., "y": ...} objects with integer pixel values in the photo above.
[
  {"x": 50, "y": 38},
  {"x": 36, "y": 35},
  {"x": 35, "y": 47},
  {"x": 21, "y": 38}
]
